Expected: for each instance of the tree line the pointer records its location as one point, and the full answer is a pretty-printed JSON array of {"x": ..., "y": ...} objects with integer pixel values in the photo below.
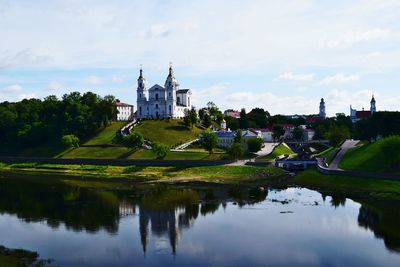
[{"x": 34, "y": 121}]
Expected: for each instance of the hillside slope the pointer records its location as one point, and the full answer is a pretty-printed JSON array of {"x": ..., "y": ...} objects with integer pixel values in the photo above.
[
  {"x": 170, "y": 132},
  {"x": 381, "y": 156}
]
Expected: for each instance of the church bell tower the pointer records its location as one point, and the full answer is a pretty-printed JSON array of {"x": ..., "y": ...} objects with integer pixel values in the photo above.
[
  {"x": 322, "y": 113},
  {"x": 171, "y": 86},
  {"x": 373, "y": 105},
  {"x": 142, "y": 96}
]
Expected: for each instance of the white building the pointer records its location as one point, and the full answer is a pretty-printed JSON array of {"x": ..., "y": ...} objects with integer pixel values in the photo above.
[
  {"x": 162, "y": 102},
  {"x": 125, "y": 112},
  {"x": 266, "y": 134}
]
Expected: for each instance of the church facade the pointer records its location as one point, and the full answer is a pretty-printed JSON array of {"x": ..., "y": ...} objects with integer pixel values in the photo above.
[
  {"x": 357, "y": 115},
  {"x": 162, "y": 102}
]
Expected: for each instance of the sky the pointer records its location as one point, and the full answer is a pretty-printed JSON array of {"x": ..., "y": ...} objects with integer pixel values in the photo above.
[{"x": 283, "y": 56}]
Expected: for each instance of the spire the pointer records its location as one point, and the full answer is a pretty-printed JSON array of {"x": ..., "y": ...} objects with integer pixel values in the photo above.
[
  {"x": 373, "y": 99},
  {"x": 141, "y": 73},
  {"x": 171, "y": 71}
]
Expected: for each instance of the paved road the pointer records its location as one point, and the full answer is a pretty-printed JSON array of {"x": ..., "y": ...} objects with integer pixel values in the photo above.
[
  {"x": 267, "y": 149},
  {"x": 339, "y": 156}
]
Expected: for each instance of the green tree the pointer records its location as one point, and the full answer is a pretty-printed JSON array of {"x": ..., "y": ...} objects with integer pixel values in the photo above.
[
  {"x": 186, "y": 118},
  {"x": 278, "y": 132},
  {"x": 259, "y": 117},
  {"x": 160, "y": 150},
  {"x": 70, "y": 140},
  {"x": 238, "y": 136},
  {"x": 209, "y": 140},
  {"x": 206, "y": 120},
  {"x": 254, "y": 144},
  {"x": 298, "y": 134},
  {"x": 243, "y": 122},
  {"x": 193, "y": 117},
  {"x": 236, "y": 151},
  {"x": 134, "y": 140},
  {"x": 338, "y": 135}
]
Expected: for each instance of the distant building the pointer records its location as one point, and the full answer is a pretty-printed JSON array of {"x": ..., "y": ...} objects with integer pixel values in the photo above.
[
  {"x": 357, "y": 115},
  {"x": 125, "y": 111},
  {"x": 308, "y": 134},
  {"x": 162, "y": 102},
  {"x": 232, "y": 113},
  {"x": 265, "y": 133},
  {"x": 227, "y": 138}
]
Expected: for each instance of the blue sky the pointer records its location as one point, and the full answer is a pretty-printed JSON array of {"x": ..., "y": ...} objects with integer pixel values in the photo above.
[{"x": 282, "y": 56}]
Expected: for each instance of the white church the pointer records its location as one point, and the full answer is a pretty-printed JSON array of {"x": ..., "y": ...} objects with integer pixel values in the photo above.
[{"x": 162, "y": 102}]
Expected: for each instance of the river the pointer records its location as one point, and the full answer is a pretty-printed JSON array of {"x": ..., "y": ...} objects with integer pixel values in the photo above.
[{"x": 75, "y": 223}]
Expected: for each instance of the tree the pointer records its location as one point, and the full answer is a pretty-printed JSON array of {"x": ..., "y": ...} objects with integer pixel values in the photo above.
[
  {"x": 193, "y": 117},
  {"x": 160, "y": 150},
  {"x": 238, "y": 136},
  {"x": 232, "y": 123},
  {"x": 298, "y": 134},
  {"x": 236, "y": 151},
  {"x": 259, "y": 117},
  {"x": 186, "y": 118},
  {"x": 206, "y": 120},
  {"x": 278, "y": 132},
  {"x": 254, "y": 144},
  {"x": 70, "y": 140},
  {"x": 202, "y": 113},
  {"x": 243, "y": 122},
  {"x": 338, "y": 135},
  {"x": 209, "y": 140},
  {"x": 134, "y": 140}
]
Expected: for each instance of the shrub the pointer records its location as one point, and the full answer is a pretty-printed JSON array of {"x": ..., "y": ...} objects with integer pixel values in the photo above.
[
  {"x": 236, "y": 151},
  {"x": 70, "y": 140},
  {"x": 254, "y": 144},
  {"x": 134, "y": 140},
  {"x": 160, "y": 150}
]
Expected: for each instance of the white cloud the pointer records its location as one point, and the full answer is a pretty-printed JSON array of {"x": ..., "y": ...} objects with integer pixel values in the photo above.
[
  {"x": 337, "y": 101},
  {"x": 26, "y": 96},
  {"x": 55, "y": 86},
  {"x": 93, "y": 80},
  {"x": 117, "y": 79},
  {"x": 201, "y": 97},
  {"x": 156, "y": 31},
  {"x": 353, "y": 37},
  {"x": 340, "y": 78},
  {"x": 289, "y": 76},
  {"x": 12, "y": 89}
]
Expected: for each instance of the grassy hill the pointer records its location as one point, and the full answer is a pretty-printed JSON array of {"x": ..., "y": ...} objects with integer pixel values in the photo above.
[
  {"x": 279, "y": 150},
  {"x": 107, "y": 135},
  {"x": 381, "y": 156},
  {"x": 99, "y": 145},
  {"x": 170, "y": 132}
]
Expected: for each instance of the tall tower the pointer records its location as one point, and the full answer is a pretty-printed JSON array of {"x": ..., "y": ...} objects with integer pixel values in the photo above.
[
  {"x": 142, "y": 96},
  {"x": 322, "y": 113},
  {"x": 373, "y": 106},
  {"x": 171, "y": 85}
]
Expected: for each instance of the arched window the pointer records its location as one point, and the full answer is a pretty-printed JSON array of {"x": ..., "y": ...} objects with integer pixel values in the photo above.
[
  {"x": 140, "y": 110},
  {"x": 140, "y": 95},
  {"x": 170, "y": 109},
  {"x": 156, "y": 106},
  {"x": 156, "y": 96},
  {"x": 178, "y": 99}
]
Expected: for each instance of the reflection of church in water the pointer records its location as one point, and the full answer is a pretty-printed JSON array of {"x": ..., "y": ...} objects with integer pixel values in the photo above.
[{"x": 169, "y": 222}]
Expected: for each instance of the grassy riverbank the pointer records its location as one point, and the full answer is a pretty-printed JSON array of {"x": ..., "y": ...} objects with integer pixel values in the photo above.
[
  {"x": 361, "y": 188},
  {"x": 217, "y": 174}
]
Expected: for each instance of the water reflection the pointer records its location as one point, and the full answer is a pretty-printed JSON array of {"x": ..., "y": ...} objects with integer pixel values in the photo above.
[{"x": 172, "y": 213}]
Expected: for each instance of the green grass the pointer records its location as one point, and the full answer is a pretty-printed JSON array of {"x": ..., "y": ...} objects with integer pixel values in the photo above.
[
  {"x": 353, "y": 186},
  {"x": 381, "y": 156},
  {"x": 170, "y": 132},
  {"x": 148, "y": 154},
  {"x": 97, "y": 152},
  {"x": 218, "y": 174},
  {"x": 279, "y": 150},
  {"x": 107, "y": 135}
]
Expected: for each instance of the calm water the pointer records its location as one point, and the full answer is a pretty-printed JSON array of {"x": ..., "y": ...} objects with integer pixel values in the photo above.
[{"x": 79, "y": 225}]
